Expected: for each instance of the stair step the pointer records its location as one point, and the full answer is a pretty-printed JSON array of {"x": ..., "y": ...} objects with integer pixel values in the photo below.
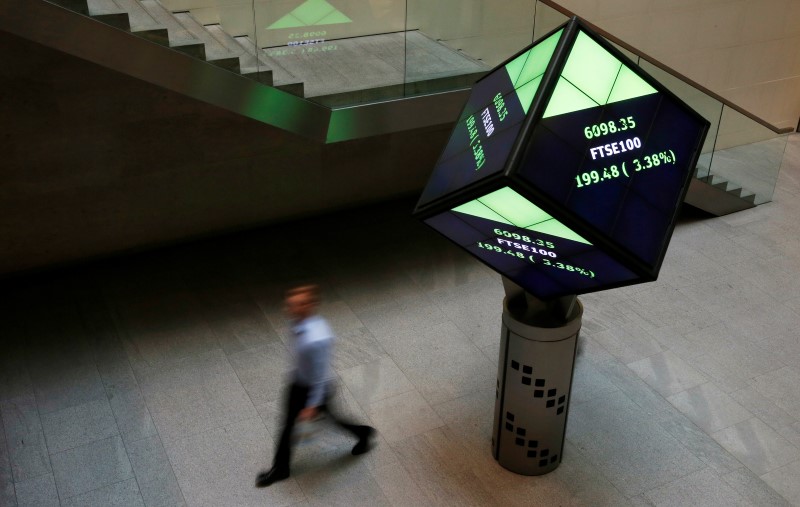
[
  {"x": 118, "y": 19},
  {"x": 748, "y": 196},
  {"x": 281, "y": 78},
  {"x": 140, "y": 19},
  {"x": 296, "y": 89},
  {"x": 248, "y": 63},
  {"x": 79, "y": 6},
  {"x": 225, "y": 40},
  {"x": 734, "y": 190},
  {"x": 216, "y": 50},
  {"x": 158, "y": 35},
  {"x": 193, "y": 48},
  {"x": 178, "y": 34},
  {"x": 101, "y": 7}
]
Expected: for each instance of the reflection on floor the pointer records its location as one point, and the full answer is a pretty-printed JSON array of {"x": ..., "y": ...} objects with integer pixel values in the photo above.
[{"x": 156, "y": 380}]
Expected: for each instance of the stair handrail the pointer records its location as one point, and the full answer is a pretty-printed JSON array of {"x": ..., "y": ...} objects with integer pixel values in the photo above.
[{"x": 669, "y": 70}]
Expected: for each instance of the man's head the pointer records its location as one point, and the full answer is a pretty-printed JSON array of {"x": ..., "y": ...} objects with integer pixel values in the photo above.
[{"x": 302, "y": 301}]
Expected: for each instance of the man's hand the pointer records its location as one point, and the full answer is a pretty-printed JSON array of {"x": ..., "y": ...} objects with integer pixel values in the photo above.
[{"x": 307, "y": 414}]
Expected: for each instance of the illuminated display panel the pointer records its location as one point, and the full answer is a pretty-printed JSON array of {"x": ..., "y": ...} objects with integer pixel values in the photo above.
[
  {"x": 490, "y": 122},
  {"x": 613, "y": 150},
  {"x": 585, "y": 188},
  {"x": 522, "y": 242}
]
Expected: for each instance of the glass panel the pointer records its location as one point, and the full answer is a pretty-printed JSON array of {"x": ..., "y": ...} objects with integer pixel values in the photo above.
[
  {"x": 335, "y": 52},
  {"x": 451, "y": 43},
  {"x": 546, "y": 19},
  {"x": 709, "y": 107},
  {"x": 748, "y": 155}
]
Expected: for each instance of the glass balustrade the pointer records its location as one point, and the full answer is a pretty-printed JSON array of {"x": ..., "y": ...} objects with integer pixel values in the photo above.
[
  {"x": 740, "y": 154},
  {"x": 342, "y": 53}
]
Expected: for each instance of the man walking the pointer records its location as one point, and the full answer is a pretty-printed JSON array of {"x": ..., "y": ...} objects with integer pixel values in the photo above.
[{"x": 308, "y": 394}]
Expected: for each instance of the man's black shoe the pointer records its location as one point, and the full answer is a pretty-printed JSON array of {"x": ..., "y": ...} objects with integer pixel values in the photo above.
[
  {"x": 264, "y": 479},
  {"x": 364, "y": 443}
]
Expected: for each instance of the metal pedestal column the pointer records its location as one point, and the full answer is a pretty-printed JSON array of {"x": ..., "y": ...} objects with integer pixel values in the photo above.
[{"x": 534, "y": 379}]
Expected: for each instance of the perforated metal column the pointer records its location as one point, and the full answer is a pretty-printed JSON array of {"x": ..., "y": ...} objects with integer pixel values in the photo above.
[{"x": 534, "y": 379}]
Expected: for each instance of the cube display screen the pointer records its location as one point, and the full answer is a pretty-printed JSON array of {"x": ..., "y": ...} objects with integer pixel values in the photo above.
[
  {"x": 490, "y": 122},
  {"x": 566, "y": 169}
]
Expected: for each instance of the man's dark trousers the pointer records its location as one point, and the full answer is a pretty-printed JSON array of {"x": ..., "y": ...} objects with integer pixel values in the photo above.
[{"x": 298, "y": 395}]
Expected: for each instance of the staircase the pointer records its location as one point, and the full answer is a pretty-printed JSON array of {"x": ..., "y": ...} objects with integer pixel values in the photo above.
[
  {"x": 240, "y": 57},
  {"x": 180, "y": 31},
  {"x": 718, "y": 196}
]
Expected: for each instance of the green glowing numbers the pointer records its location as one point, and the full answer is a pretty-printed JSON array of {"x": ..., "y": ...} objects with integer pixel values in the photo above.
[
  {"x": 567, "y": 267},
  {"x": 526, "y": 239},
  {"x": 609, "y": 127},
  {"x": 489, "y": 246},
  {"x": 475, "y": 142},
  {"x": 561, "y": 171},
  {"x": 607, "y": 173},
  {"x": 500, "y": 106},
  {"x": 616, "y": 171},
  {"x": 654, "y": 160}
]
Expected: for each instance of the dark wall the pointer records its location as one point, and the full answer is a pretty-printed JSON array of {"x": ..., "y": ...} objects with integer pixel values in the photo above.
[{"x": 95, "y": 162}]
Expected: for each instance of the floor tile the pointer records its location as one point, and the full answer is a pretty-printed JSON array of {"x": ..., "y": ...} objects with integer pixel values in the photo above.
[
  {"x": 354, "y": 348},
  {"x": 586, "y": 484},
  {"x": 616, "y": 436},
  {"x": 710, "y": 408},
  {"x": 398, "y": 487},
  {"x": 731, "y": 368},
  {"x": 79, "y": 425},
  {"x": 67, "y": 387},
  {"x": 700, "y": 443},
  {"x": 37, "y": 492},
  {"x": 7, "y": 494},
  {"x": 752, "y": 487},
  {"x": 154, "y": 473},
  {"x": 131, "y": 413},
  {"x": 445, "y": 472},
  {"x": 589, "y": 383},
  {"x": 667, "y": 373},
  {"x": 27, "y": 447},
  {"x": 628, "y": 343},
  {"x": 440, "y": 361},
  {"x": 262, "y": 371},
  {"x": 181, "y": 412},
  {"x": 784, "y": 481},
  {"x": 390, "y": 317},
  {"x": 466, "y": 305},
  {"x": 120, "y": 494},
  {"x": 698, "y": 488},
  {"x": 376, "y": 380},
  {"x": 778, "y": 386},
  {"x": 236, "y": 319},
  {"x": 471, "y": 419},
  {"x": 757, "y": 445},
  {"x": 219, "y": 467},
  {"x": 92, "y": 466},
  {"x": 402, "y": 416},
  {"x": 342, "y": 481}
]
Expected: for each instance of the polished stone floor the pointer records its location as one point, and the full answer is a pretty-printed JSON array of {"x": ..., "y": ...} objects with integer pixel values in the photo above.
[{"x": 156, "y": 379}]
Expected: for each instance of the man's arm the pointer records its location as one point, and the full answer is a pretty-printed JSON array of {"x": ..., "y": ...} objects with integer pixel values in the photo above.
[{"x": 317, "y": 358}]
